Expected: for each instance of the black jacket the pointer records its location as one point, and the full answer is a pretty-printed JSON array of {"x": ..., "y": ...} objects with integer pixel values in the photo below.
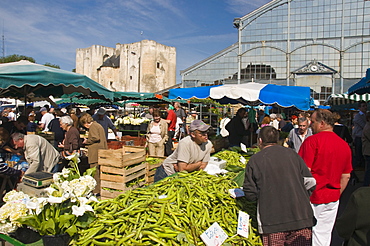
[
  {"x": 236, "y": 130},
  {"x": 280, "y": 181},
  {"x": 354, "y": 224}
]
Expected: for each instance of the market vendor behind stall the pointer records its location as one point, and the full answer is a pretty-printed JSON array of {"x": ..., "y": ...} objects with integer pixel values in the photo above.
[
  {"x": 192, "y": 153},
  {"x": 39, "y": 153}
]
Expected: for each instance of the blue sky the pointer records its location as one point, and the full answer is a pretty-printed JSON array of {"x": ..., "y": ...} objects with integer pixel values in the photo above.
[{"x": 52, "y": 30}]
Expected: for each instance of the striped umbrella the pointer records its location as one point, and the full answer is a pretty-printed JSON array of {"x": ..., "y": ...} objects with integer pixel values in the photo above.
[{"x": 343, "y": 99}]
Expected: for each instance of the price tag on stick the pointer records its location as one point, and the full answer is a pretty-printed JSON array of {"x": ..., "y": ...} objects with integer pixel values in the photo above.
[
  {"x": 214, "y": 235},
  {"x": 243, "y": 147},
  {"x": 243, "y": 224}
]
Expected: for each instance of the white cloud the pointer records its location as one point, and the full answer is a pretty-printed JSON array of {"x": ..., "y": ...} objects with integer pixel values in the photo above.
[{"x": 51, "y": 31}]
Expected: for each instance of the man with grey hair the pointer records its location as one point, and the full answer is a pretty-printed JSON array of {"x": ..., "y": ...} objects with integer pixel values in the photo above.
[
  {"x": 298, "y": 135},
  {"x": 39, "y": 153},
  {"x": 280, "y": 119}
]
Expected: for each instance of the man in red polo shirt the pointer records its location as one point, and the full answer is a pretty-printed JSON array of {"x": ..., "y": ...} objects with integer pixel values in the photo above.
[
  {"x": 171, "y": 120},
  {"x": 329, "y": 158}
]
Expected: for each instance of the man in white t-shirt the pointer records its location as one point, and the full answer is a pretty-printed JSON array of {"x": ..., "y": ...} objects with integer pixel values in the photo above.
[
  {"x": 192, "y": 153},
  {"x": 11, "y": 114},
  {"x": 45, "y": 119}
]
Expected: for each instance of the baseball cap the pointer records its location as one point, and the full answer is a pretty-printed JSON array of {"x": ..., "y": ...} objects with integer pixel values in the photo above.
[
  {"x": 101, "y": 111},
  {"x": 43, "y": 109},
  {"x": 199, "y": 125}
]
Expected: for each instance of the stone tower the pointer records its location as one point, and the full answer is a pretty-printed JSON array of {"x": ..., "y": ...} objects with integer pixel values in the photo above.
[{"x": 145, "y": 66}]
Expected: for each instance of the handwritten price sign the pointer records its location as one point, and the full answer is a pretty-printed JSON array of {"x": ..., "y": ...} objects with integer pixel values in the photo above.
[
  {"x": 214, "y": 235},
  {"x": 243, "y": 224}
]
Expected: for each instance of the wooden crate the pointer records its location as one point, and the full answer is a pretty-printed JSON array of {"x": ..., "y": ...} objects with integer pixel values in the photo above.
[
  {"x": 123, "y": 157},
  {"x": 117, "y": 179},
  {"x": 151, "y": 168}
]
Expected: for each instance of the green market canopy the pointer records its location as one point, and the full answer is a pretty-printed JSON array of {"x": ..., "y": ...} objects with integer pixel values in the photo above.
[
  {"x": 120, "y": 96},
  {"x": 27, "y": 80},
  {"x": 341, "y": 99},
  {"x": 84, "y": 101},
  {"x": 345, "y": 101}
]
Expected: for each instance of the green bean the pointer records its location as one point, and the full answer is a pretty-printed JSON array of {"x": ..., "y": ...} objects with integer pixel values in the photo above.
[{"x": 194, "y": 201}]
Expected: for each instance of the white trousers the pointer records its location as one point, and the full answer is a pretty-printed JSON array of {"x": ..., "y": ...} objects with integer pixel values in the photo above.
[
  {"x": 325, "y": 215},
  {"x": 177, "y": 129}
]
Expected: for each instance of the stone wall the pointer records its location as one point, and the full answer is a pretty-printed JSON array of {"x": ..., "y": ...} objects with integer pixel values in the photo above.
[{"x": 145, "y": 66}]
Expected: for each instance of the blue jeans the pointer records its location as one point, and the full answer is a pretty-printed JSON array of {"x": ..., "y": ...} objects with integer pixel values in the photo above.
[{"x": 159, "y": 174}]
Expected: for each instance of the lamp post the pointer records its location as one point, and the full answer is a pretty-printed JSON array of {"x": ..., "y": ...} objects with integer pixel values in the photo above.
[{"x": 237, "y": 24}]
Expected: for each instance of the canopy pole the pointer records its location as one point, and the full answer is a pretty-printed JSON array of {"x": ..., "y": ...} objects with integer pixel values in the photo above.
[
  {"x": 250, "y": 132},
  {"x": 25, "y": 101}
]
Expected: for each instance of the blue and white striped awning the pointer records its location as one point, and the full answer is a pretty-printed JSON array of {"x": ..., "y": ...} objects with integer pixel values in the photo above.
[
  {"x": 343, "y": 99},
  {"x": 252, "y": 94}
]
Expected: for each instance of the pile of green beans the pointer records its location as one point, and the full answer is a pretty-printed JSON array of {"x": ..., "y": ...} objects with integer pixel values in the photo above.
[
  {"x": 174, "y": 211},
  {"x": 231, "y": 157}
]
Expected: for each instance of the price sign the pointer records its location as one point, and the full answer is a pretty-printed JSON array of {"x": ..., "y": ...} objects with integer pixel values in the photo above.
[
  {"x": 214, "y": 235},
  {"x": 242, "y": 159},
  {"x": 243, "y": 147},
  {"x": 237, "y": 192},
  {"x": 243, "y": 224}
]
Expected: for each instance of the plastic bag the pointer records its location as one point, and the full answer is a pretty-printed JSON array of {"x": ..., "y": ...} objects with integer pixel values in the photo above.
[{"x": 15, "y": 158}]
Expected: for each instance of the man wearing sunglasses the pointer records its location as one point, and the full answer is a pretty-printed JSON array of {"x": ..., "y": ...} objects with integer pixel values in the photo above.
[{"x": 192, "y": 153}]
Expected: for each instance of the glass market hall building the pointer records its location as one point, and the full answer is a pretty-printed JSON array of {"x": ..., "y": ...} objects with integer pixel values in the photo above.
[{"x": 323, "y": 44}]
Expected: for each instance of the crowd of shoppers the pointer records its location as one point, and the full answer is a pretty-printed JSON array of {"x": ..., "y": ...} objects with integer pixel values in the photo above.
[
  {"x": 311, "y": 172},
  {"x": 325, "y": 145}
]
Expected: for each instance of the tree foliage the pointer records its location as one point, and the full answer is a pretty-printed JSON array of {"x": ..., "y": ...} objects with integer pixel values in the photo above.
[
  {"x": 52, "y": 65},
  {"x": 15, "y": 58}
]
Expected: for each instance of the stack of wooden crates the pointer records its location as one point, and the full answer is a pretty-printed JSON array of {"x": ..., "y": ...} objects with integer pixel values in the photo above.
[{"x": 123, "y": 169}]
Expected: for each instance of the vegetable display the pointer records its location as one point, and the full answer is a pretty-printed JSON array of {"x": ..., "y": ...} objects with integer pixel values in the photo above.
[
  {"x": 173, "y": 211},
  {"x": 234, "y": 157},
  {"x": 231, "y": 157},
  {"x": 153, "y": 160}
]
